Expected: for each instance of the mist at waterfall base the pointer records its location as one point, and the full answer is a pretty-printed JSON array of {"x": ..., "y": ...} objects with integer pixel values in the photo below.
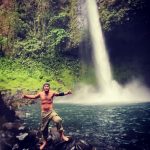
[
  {"x": 110, "y": 90},
  {"x": 133, "y": 92}
]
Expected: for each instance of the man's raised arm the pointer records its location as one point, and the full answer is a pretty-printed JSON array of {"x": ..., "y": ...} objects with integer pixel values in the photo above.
[
  {"x": 31, "y": 96},
  {"x": 62, "y": 93}
]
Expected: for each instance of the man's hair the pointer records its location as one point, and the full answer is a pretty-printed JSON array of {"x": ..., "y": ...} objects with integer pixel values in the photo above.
[{"x": 46, "y": 84}]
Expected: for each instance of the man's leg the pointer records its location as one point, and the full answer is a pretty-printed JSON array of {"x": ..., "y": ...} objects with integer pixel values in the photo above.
[
  {"x": 45, "y": 132},
  {"x": 56, "y": 119},
  {"x": 43, "y": 145},
  {"x": 44, "y": 129}
]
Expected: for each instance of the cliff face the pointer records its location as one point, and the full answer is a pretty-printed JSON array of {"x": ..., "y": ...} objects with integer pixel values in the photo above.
[
  {"x": 6, "y": 111},
  {"x": 128, "y": 43}
]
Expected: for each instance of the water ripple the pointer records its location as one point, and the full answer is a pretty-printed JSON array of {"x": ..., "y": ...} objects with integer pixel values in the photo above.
[{"x": 124, "y": 127}]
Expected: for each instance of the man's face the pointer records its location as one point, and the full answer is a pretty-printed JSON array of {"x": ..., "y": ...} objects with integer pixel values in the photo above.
[{"x": 46, "y": 88}]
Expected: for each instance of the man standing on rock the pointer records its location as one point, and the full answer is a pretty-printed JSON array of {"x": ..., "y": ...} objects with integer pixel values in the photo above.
[{"x": 47, "y": 111}]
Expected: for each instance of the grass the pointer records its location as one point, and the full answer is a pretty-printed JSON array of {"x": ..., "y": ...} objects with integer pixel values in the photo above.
[{"x": 28, "y": 75}]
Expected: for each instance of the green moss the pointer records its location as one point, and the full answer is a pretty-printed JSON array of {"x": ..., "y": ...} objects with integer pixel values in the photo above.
[{"x": 17, "y": 74}]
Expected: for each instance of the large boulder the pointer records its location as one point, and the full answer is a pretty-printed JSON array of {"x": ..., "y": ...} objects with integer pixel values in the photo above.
[
  {"x": 6, "y": 111},
  {"x": 55, "y": 142},
  {"x": 14, "y": 136}
]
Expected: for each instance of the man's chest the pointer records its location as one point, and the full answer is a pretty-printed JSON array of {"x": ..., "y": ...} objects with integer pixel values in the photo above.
[{"x": 46, "y": 96}]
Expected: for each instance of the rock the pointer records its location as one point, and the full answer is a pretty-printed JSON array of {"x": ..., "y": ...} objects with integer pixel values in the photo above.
[
  {"x": 81, "y": 144},
  {"x": 30, "y": 140},
  {"x": 17, "y": 137},
  {"x": 11, "y": 126},
  {"x": 4, "y": 145},
  {"x": 54, "y": 136},
  {"x": 66, "y": 145},
  {"x": 6, "y": 111},
  {"x": 6, "y": 140},
  {"x": 56, "y": 143},
  {"x": 23, "y": 129},
  {"x": 15, "y": 147},
  {"x": 22, "y": 136}
]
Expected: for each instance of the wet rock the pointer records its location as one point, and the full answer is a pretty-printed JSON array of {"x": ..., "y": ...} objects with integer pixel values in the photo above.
[
  {"x": 6, "y": 140},
  {"x": 27, "y": 141},
  {"x": 55, "y": 142},
  {"x": 73, "y": 144},
  {"x": 14, "y": 101},
  {"x": 54, "y": 136},
  {"x": 16, "y": 146},
  {"x": 6, "y": 111},
  {"x": 22, "y": 136},
  {"x": 30, "y": 140},
  {"x": 22, "y": 128},
  {"x": 81, "y": 144},
  {"x": 11, "y": 126}
]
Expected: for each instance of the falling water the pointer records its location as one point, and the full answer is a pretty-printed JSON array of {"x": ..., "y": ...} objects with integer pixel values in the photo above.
[
  {"x": 101, "y": 60},
  {"x": 110, "y": 90}
]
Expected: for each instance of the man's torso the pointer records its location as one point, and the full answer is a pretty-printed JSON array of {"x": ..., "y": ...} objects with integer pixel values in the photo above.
[{"x": 46, "y": 100}]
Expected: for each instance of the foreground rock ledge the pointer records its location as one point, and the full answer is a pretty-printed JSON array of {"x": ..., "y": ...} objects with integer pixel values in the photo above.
[{"x": 15, "y": 136}]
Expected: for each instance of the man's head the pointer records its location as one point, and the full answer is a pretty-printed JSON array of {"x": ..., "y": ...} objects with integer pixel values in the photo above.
[{"x": 46, "y": 87}]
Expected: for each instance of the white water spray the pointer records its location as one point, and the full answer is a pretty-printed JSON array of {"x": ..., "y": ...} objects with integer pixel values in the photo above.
[
  {"x": 102, "y": 65},
  {"x": 110, "y": 90}
]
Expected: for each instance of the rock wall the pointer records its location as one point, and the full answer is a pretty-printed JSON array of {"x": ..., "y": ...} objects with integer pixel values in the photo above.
[{"x": 6, "y": 111}]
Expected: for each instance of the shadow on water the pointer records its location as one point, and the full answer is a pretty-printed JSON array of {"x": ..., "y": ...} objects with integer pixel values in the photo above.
[{"x": 106, "y": 127}]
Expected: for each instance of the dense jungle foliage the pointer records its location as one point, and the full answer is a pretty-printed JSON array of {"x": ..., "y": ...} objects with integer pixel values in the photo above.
[{"x": 40, "y": 41}]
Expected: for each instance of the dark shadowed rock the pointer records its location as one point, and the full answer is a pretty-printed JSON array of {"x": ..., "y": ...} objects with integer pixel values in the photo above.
[
  {"x": 6, "y": 112},
  {"x": 22, "y": 136},
  {"x": 54, "y": 142},
  {"x": 30, "y": 140},
  {"x": 82, "y": 144},
  {"x": 11, "y": 126},
  {"x": 23, "y": 129},
  {"x": 7, "y": 140},
  {"x": 16, "y": 138}
]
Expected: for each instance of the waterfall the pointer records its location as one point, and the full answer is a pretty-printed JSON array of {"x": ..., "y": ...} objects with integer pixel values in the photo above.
[
  {"x": 101, "y": 60},
  {"x": 110, "y": 90}
]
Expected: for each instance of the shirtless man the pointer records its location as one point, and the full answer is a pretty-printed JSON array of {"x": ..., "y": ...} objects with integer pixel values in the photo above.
[{"x": 47, "y": 111}]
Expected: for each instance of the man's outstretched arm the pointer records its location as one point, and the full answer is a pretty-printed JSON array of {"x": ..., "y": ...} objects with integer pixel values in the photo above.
[
  {"x": 62, "y": 93},
  {"x": 31, "y": 96}
]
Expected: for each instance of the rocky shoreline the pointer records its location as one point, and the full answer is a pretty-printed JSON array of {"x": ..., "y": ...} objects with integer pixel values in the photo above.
[
  {"x": 14, "y": 100},
  {"x": 14, "y": 135}
]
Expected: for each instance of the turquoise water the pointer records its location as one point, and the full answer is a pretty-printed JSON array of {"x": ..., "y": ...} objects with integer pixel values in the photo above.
[{"x": 111, "y": 127}]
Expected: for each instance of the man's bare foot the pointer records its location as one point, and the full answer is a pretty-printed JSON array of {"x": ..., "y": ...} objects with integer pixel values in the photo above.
[
  {"x": 65, "y": 138},
  {"x": 42, "y": 145}
]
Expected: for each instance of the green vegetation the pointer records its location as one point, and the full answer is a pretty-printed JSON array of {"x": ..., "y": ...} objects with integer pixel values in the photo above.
[
  {"x": 30, "y": 75},
  {"x": 116, "y": 12},
  {"x": 40, "y": 40}
]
